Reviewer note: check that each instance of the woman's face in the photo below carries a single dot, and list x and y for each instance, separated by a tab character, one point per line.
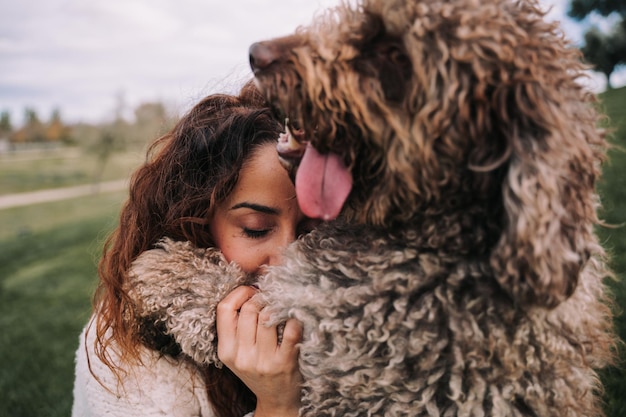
261	216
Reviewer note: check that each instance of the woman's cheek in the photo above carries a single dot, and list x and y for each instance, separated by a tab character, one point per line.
247	257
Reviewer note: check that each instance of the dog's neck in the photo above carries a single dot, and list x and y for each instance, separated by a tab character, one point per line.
465	232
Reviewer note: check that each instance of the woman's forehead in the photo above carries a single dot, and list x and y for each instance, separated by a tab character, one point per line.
263	177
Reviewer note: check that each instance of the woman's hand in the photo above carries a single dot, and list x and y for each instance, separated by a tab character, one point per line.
251	350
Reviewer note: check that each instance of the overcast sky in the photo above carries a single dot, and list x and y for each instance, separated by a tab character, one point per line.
82	56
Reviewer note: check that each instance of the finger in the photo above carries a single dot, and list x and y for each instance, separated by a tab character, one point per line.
248	324
292	336
267	336
228	317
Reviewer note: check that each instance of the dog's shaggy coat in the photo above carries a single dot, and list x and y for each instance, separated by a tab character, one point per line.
463	276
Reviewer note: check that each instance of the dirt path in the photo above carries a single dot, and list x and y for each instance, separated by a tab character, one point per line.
56	194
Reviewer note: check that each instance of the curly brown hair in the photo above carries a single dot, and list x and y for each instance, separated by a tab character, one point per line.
187	172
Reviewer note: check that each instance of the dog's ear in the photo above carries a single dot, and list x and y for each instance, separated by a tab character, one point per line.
383	56
548	196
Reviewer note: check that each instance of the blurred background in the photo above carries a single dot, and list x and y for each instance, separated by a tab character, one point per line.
86	86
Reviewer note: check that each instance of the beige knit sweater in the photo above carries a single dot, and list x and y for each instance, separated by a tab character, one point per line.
161	387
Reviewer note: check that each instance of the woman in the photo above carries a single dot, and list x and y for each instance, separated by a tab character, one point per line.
214	180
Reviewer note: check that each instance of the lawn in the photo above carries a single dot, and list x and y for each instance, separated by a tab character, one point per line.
613	193
47	277
61	168
48	256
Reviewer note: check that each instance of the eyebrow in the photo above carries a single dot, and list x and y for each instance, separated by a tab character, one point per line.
256	207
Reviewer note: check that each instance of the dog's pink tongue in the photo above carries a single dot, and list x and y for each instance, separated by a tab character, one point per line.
323	183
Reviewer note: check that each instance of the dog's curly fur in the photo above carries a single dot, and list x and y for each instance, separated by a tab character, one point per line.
463	277
177	287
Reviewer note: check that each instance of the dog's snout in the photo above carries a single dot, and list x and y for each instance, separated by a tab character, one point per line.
262	56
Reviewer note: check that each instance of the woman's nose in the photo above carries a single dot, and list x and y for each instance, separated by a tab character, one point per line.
275	257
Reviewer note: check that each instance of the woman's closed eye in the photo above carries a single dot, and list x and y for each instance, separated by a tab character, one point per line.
255	233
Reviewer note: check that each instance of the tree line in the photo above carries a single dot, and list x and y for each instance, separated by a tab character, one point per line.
34	130
150	120
606	51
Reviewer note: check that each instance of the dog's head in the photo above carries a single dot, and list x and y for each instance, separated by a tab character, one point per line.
423	109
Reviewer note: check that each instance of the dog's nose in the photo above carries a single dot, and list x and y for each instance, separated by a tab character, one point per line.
262	56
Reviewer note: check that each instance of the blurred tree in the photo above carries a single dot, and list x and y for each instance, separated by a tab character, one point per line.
605	51
111	138
151	121
150	113
33	129
104	149
56	130
6	128
579	9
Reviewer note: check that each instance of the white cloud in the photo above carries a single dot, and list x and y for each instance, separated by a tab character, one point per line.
78	55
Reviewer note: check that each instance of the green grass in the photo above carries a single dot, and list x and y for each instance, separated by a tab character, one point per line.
613	193
22	173
19	222
614	106
47	278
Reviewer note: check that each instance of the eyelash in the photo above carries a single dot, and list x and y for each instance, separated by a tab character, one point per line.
255	233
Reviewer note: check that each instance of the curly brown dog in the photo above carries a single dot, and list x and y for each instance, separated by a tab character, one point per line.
469	281
462	276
